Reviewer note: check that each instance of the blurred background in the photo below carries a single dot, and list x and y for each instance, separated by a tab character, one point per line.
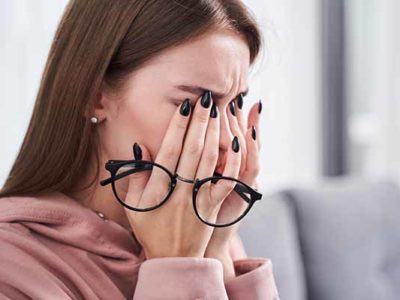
329	80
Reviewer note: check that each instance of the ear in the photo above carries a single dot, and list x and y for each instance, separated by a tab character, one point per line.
101	105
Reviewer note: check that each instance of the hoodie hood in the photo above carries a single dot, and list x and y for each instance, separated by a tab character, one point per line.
63	219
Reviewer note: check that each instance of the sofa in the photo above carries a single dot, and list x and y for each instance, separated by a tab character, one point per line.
340	240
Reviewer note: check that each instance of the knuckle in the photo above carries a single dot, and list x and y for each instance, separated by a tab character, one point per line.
254	170
195	148
211	157
227	186
201	118
171	152
181	124
236	163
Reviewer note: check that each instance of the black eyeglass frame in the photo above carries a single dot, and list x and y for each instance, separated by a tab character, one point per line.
114	165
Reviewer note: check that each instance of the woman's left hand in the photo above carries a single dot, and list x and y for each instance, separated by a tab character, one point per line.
219	245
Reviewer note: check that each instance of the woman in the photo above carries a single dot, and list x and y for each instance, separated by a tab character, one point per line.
169	78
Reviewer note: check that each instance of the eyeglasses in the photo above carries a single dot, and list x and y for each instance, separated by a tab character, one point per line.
236	209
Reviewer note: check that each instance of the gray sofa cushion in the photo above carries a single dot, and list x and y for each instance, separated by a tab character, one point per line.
269	231
350	240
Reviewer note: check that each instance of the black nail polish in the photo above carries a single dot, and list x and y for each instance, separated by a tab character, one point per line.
240	101
259	107
206	99
137	151
253	132
214	111
185	108
235	144
232	108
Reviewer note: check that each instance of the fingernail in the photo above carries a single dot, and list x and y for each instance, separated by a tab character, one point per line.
185	108
214	111
137	151
253	132
235	144
232	108
240	101
259	107
206	99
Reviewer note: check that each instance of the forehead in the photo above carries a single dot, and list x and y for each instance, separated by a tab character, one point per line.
218	60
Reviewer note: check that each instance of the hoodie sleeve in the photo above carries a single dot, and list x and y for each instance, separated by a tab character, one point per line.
180	278
254	276
202	278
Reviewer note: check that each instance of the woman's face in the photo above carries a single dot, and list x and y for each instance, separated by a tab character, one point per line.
217	61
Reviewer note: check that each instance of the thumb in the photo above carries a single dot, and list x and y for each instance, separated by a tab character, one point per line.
138	180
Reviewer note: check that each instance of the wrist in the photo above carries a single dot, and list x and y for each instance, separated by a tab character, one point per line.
225	258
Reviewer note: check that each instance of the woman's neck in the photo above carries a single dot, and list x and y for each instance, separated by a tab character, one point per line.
99	198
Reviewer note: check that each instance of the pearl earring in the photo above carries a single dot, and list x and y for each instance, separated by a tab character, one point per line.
94	120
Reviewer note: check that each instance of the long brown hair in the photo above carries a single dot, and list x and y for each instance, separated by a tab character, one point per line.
102	41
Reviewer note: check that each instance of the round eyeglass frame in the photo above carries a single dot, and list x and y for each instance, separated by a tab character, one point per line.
114	165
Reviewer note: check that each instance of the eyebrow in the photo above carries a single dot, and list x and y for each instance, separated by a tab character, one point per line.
198	90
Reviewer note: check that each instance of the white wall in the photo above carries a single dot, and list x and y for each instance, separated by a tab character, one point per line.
26	31
374	85
287	82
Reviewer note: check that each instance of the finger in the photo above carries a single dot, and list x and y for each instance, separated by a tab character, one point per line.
171	146
254	119
209	157
233	124
234	204
223	187
253	159
208	204
195	138
239	113
137	181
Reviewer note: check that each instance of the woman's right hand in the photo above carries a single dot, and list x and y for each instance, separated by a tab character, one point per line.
173	229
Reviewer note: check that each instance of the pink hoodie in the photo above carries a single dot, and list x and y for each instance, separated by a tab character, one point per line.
52	247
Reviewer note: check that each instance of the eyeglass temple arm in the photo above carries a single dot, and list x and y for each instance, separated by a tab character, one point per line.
126	173
241	190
